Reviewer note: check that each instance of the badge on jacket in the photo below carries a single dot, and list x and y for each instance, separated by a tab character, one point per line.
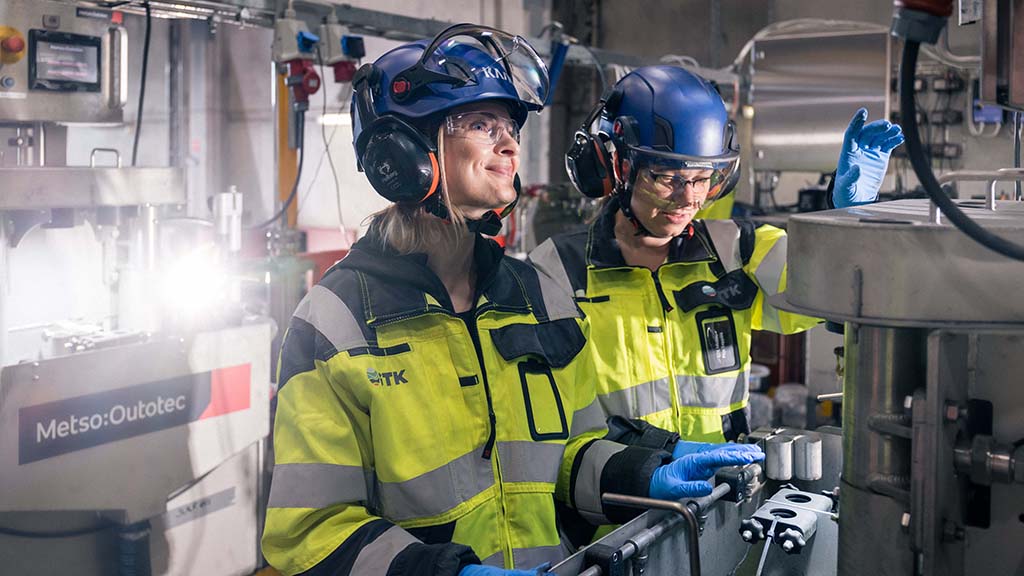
717	331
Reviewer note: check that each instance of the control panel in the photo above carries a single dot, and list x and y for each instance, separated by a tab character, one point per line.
61	63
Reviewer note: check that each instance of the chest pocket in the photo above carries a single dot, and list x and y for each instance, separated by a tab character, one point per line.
536	349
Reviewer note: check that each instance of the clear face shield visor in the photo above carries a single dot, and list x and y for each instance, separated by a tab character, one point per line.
467	53
663	178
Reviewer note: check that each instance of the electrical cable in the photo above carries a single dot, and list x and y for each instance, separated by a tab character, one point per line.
598	65
142	87
283	212
316	171
922	167
327	149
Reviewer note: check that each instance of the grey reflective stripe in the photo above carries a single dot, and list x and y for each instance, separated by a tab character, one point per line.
527	558
588	479
530	461
588	419
497	559
712	391
436	491
554	282
375	558
316	485
640	400
769	271
725	235
329	315
770	318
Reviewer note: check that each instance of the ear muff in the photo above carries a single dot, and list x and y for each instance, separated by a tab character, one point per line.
588	163
399	161
589	166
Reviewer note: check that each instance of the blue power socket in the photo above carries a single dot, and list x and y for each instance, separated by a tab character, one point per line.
986	114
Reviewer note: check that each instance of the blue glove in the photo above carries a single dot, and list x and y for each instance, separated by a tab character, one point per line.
684	448
864	159
688	476
481	570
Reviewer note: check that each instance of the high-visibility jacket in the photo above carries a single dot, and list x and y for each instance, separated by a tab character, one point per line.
413	440
672	346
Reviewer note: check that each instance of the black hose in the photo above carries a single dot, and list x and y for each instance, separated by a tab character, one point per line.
283	212
142	87
923	169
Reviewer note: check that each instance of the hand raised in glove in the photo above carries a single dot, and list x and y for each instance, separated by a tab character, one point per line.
864	159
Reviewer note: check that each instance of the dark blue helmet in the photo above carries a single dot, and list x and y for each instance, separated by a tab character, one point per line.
464	64
668	116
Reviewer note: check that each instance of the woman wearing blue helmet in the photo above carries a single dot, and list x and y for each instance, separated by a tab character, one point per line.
432	403
671	299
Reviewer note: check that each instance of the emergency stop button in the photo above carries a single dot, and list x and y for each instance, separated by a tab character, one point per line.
12	45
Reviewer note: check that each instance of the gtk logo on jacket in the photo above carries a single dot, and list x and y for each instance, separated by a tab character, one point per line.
386	378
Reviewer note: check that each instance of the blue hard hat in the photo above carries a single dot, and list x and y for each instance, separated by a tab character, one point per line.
667	116
462	65
666	112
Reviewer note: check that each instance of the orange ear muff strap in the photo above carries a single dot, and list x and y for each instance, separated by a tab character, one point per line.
435	169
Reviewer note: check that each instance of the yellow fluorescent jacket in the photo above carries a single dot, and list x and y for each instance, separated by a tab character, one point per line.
405	433
672	347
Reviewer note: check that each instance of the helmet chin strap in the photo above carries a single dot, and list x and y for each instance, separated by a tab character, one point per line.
488	225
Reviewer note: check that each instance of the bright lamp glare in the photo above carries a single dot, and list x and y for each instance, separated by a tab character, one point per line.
195	285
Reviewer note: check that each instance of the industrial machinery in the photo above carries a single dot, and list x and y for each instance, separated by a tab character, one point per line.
135	385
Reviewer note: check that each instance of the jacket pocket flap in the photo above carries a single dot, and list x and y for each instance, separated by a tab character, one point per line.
557	342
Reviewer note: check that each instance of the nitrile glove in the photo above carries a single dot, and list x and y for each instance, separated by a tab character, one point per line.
684	448
688	476
481	570
864	159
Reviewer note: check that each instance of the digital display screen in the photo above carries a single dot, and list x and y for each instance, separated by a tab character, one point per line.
64	62
67	62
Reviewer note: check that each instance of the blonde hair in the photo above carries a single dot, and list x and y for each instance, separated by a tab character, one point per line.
410	229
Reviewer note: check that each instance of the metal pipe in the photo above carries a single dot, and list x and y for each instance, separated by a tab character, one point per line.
1005	174
689	511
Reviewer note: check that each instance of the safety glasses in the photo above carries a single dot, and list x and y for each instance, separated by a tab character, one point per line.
482	127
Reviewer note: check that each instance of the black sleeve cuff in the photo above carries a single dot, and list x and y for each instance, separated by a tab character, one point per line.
831	187
432	560
629	472
636	432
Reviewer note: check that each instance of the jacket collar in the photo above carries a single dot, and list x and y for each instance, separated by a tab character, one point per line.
603	249
399	286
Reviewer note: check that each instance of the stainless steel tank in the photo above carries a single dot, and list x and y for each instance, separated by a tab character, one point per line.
933	403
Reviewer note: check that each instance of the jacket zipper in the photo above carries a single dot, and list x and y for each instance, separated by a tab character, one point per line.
661	293
488	450
667	343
